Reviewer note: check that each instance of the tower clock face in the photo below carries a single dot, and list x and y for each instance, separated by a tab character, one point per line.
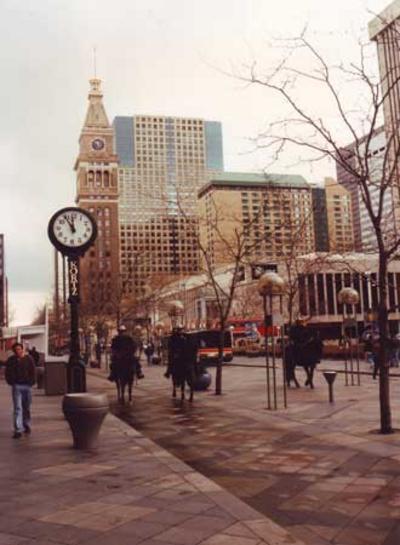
97	144
72	230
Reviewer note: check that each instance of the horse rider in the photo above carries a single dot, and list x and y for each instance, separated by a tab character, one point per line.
123	348
180	361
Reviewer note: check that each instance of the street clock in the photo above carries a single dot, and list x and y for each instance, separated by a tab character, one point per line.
72	231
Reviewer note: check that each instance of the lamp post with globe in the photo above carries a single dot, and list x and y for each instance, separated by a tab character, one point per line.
271	285
175	312
349	297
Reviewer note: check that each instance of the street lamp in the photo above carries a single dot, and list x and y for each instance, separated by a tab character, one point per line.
350	297
270	285
175	310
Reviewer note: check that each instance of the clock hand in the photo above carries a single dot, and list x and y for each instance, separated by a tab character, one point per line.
71	225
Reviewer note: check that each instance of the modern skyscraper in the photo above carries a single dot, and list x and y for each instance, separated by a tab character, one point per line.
384	29
97	191
163	163
274	213
364	235
320	219
340	218
3	286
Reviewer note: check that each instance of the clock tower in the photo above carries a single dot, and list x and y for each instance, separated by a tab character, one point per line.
97	191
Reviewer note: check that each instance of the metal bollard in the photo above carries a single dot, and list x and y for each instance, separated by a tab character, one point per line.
330	377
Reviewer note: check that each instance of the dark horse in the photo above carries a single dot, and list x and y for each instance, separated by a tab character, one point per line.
124	364
124	371
304	350
309	355
290	365
181	361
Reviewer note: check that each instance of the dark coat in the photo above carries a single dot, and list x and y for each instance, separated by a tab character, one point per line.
124	363
20	370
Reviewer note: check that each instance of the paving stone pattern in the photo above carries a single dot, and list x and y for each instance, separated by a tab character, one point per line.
129	491
319	470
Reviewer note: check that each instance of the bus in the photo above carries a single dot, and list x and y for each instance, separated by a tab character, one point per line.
251	328
207	341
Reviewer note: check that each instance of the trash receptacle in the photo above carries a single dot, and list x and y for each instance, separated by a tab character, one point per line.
55	377
40	377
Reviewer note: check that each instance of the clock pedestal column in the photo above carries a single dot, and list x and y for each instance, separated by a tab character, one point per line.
76	372
73	231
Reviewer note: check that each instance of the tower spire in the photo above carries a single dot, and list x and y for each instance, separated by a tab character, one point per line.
94	62
96	115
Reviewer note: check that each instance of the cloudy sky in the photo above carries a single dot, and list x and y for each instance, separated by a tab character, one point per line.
166	57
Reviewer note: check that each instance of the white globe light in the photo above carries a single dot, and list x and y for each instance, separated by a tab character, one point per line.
270	283
348	296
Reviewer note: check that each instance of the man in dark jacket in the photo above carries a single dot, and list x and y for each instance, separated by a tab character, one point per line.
20	375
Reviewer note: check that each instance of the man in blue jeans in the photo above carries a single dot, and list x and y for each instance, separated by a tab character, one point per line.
20	375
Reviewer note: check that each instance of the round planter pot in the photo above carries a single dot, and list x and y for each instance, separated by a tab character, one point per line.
202	382
85	414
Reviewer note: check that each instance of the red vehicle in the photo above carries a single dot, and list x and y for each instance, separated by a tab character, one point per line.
251	328
208	341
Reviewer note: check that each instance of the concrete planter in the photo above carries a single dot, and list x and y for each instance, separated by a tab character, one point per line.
85	414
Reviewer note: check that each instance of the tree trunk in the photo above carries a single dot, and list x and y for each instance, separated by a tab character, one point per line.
218	375
383	360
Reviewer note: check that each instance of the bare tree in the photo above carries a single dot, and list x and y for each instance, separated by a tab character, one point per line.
225	246
355	116
39	316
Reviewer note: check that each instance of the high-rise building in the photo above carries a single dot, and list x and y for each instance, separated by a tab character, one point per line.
3	286
364	234
320	219
340	218
384	29
273	212
163	163
97	191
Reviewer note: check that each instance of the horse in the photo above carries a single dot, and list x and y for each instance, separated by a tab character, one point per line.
181	377
308	356
123	372
290	365
181	360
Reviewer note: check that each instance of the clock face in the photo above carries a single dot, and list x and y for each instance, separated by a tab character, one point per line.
72	230
97	144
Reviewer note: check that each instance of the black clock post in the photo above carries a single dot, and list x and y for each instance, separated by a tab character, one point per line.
72	231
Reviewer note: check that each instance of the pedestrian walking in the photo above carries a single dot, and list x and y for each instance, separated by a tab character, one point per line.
20	375
149	351
35	355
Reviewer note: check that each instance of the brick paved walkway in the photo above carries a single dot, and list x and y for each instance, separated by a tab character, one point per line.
129	491
319	470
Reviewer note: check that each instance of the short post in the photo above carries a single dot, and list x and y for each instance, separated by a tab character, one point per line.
330	377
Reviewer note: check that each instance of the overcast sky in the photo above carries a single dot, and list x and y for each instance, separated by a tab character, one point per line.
164	57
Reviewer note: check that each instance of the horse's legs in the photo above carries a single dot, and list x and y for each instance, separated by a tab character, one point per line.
183	391
294	377
191	392
118	385
311	375
173	388
309	369
130	384
123	384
